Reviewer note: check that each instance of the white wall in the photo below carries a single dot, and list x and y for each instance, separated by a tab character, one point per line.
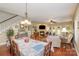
76	27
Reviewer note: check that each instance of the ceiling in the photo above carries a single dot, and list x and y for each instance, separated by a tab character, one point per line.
15	8
8	20
59	12
41	12
4	16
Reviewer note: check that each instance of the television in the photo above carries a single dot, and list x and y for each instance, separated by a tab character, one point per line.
41	26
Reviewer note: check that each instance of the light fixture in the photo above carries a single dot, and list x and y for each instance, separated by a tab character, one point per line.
64	30
22	22
27	21
51	21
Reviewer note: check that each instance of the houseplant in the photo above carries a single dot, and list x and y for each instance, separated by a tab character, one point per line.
10	34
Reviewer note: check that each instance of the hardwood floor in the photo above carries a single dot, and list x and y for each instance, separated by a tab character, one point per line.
4	51
63	52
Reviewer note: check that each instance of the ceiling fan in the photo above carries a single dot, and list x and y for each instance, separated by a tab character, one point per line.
52	21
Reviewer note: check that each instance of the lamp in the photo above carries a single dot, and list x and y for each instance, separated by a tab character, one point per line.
64	30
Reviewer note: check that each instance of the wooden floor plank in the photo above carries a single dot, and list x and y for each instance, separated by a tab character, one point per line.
4	51
63	52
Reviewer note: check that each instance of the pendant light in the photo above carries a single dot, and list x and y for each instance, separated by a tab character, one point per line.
27	20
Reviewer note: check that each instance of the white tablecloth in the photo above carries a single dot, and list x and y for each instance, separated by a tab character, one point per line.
32	48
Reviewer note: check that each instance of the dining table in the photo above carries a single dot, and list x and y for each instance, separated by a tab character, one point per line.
31	48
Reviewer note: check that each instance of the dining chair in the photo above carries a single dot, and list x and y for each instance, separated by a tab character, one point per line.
67	42
14	49
47	50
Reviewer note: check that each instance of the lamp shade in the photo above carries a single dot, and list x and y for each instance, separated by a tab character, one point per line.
64	30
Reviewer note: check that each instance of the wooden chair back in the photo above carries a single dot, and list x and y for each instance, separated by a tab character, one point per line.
47	50
69	38
14	49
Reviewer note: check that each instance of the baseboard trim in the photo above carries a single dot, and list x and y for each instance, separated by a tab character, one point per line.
76	49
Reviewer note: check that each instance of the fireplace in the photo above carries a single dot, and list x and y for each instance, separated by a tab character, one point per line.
42	33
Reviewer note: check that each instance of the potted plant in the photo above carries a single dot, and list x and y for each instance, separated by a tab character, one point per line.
10	34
